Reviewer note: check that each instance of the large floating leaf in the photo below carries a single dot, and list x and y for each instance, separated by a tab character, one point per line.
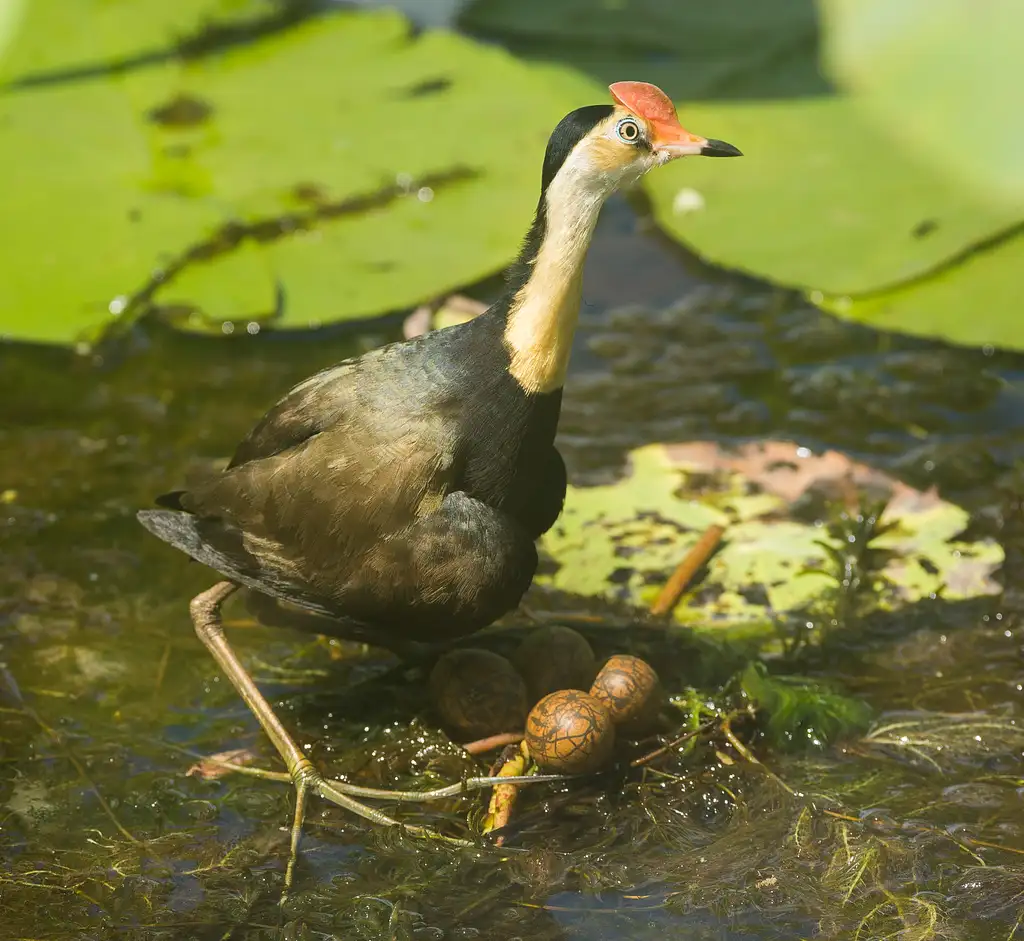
820	200
11	12
942	75
295	140
624	539
976	300
60	40
722	28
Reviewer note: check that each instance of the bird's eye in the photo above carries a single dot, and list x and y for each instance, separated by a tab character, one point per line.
628	130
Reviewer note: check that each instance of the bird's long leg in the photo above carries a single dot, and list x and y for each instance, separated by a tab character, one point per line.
206	616
205	610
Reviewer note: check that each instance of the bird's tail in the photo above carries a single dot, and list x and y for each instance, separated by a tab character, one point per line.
197	538
185	532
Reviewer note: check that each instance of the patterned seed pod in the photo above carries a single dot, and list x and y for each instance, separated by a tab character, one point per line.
570	732
477	693
629	689
553	658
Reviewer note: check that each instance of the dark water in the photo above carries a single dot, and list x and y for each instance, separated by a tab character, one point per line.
106	692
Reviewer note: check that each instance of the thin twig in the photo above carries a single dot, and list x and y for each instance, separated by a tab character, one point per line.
680	579
482	745
668	746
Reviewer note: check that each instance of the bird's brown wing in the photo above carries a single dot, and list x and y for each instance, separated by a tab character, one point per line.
309	408
345	460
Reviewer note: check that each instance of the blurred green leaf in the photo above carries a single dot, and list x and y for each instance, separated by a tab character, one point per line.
119	176
721	28
59	39
944	76
11	12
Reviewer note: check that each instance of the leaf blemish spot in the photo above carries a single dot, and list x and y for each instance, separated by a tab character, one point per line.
181	111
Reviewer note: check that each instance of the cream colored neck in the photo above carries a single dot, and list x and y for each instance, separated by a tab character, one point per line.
542	316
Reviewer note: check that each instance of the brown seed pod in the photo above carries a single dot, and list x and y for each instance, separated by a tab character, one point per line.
477	693
570	732
555	657
629	689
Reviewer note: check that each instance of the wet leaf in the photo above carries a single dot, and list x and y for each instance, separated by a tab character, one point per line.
623	539
337	160
934	72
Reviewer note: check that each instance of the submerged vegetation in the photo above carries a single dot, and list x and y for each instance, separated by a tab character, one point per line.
864	778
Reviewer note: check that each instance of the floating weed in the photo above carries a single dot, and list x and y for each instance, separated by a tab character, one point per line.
801	712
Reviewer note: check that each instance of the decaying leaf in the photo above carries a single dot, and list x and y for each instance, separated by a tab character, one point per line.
624	539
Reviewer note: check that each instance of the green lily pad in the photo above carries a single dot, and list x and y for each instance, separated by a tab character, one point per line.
821	200
313	141
941	76
973	301
54	37
10	20
622	540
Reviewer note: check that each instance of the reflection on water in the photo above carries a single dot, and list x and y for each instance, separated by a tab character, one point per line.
102	834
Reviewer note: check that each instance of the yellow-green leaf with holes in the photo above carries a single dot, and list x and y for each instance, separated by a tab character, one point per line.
624	539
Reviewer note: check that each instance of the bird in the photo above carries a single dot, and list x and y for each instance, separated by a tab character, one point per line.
397	497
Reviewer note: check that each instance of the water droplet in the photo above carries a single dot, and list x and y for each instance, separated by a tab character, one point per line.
425	194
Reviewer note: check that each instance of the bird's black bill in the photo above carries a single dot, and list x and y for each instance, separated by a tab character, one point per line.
719	148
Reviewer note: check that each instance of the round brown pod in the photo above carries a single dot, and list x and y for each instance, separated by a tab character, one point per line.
570	732
477	693
629	689
553	658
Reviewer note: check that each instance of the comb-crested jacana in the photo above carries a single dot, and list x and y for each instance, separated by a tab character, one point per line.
397	496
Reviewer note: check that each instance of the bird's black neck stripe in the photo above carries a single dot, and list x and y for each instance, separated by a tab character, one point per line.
569	132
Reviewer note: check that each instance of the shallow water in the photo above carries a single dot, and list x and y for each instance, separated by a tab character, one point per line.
107	694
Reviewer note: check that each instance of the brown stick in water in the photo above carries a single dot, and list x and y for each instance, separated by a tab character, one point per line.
680	579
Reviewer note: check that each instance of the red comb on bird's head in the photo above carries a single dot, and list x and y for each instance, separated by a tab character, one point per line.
646	101
668	137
